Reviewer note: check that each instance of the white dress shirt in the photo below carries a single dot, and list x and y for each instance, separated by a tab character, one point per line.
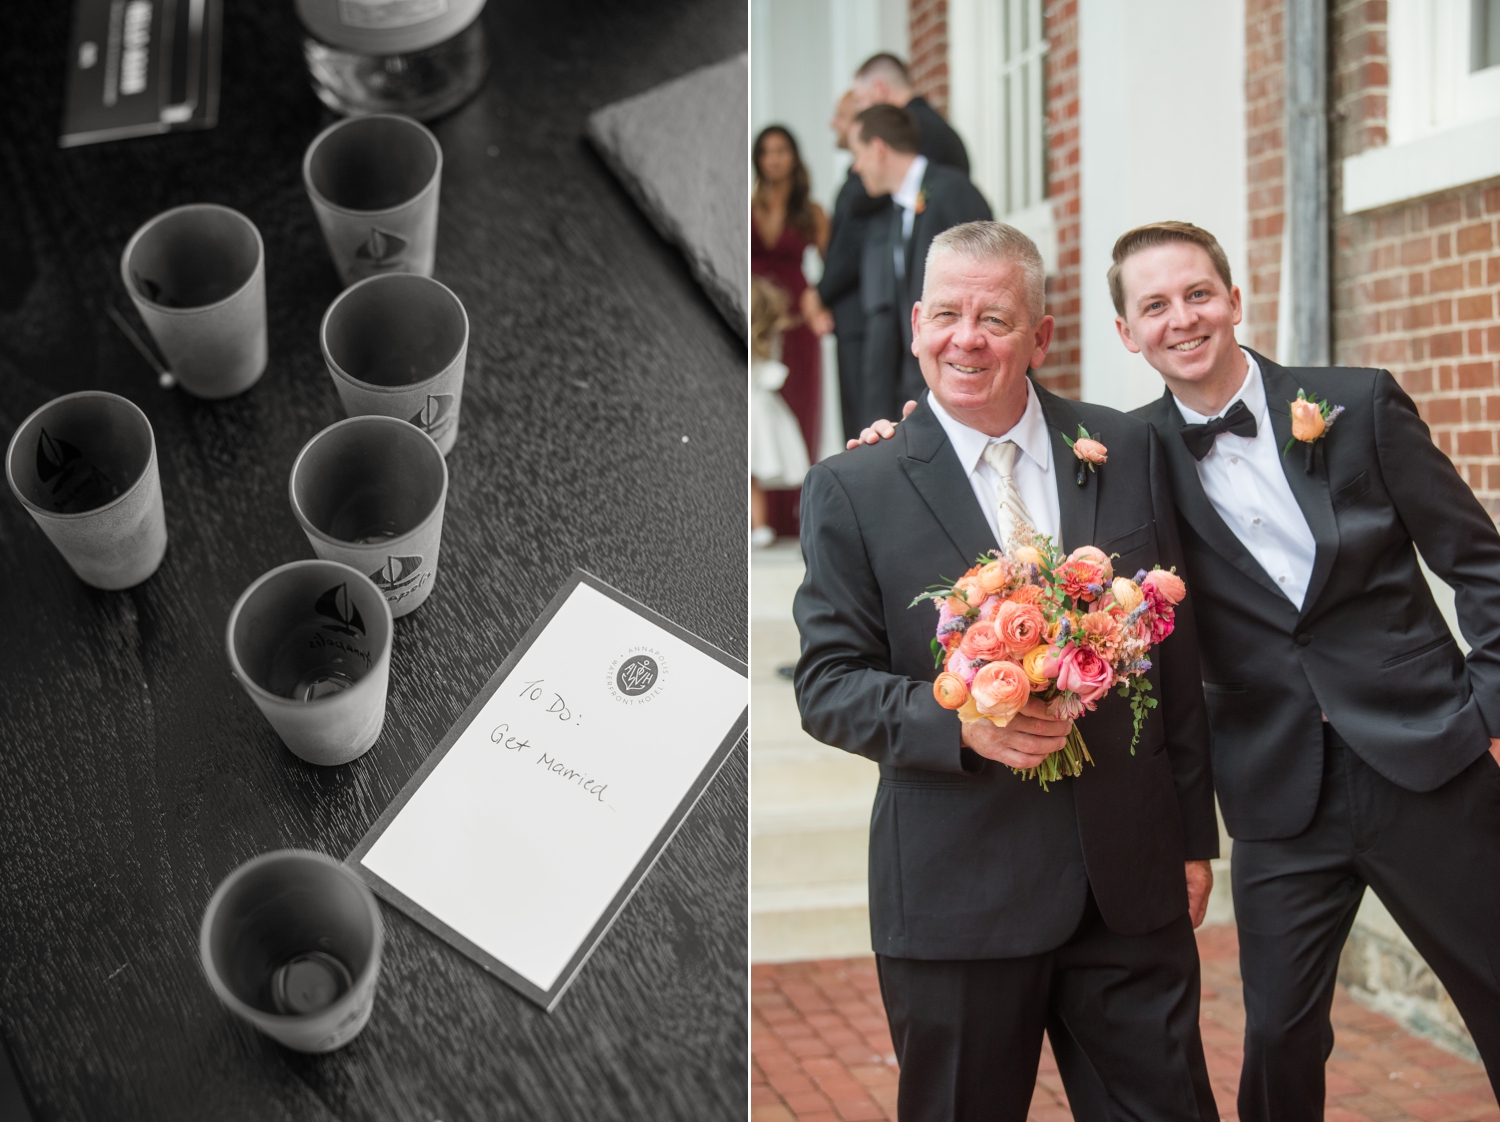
1244	481
1032	473
905	196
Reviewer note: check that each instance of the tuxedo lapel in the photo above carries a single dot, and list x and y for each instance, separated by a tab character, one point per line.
1077	503
1192	500
933	468
1309	488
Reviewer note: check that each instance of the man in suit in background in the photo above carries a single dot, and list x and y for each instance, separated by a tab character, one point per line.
998	908
1353	744
884	80
838	289
881	80
927	198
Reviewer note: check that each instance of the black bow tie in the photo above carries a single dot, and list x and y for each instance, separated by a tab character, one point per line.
1200	438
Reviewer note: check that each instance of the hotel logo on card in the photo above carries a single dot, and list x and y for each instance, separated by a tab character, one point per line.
637	676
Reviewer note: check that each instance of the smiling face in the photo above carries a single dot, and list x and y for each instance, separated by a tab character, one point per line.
1180	315
973	335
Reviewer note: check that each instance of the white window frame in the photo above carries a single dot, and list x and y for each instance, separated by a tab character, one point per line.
997	60
1443	120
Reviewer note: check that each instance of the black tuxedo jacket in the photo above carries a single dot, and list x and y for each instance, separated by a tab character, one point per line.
1369	647
935	137
891	372
838	288
968	861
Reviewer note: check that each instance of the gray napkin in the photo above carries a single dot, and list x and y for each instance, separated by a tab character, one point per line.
682	151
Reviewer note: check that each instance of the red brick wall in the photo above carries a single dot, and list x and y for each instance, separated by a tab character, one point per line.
928	27
1415	284
927	32
1062	373
1264	109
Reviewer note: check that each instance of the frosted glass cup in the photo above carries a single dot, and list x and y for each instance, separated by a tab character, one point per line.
291	943
197	275
84	466
370	492
310	642
396	346
374	181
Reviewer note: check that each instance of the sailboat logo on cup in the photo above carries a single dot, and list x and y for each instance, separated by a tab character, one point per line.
436	416
53	457
382	249
397	574
336	604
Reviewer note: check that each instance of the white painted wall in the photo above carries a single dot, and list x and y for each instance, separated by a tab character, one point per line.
803	56
1162	127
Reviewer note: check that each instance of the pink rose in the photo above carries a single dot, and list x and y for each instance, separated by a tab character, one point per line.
961	667
1161	625
1307	420
1020	627
1083	672
1168	584
982	641
1000	691
988	609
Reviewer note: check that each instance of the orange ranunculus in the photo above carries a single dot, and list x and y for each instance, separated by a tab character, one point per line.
1027	555
1090	451
950	691
1032	665
1168	585
1000	691
1307	420
994	576
1020	627
982	641
1127	594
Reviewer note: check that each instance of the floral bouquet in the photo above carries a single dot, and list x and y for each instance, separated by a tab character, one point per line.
1065	628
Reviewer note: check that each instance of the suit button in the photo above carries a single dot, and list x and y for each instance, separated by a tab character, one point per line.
1304	639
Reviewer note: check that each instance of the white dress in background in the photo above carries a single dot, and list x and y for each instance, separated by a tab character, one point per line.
778	454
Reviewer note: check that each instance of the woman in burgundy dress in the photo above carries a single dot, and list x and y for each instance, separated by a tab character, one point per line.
784	221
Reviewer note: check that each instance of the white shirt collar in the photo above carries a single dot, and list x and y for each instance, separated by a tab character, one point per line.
905	196
1029	433
1252	392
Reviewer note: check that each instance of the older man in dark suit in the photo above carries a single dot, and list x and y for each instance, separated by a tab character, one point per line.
927	198
998	908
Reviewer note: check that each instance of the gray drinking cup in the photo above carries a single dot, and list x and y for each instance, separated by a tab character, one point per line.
197	275
373	181
291	943
396	346
84	466
310	642
369	491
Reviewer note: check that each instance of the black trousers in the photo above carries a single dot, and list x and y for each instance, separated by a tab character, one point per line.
1434	861
1122	1012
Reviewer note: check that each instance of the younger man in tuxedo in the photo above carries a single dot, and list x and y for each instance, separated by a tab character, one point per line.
998	908
1353	744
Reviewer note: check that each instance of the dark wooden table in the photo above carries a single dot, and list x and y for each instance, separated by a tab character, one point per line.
603	425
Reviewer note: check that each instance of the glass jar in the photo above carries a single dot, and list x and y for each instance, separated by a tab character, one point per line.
422	58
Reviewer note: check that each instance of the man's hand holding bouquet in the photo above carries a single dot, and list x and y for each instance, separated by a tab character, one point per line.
1062	627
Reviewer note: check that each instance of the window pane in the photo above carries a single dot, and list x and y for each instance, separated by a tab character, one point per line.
1484	34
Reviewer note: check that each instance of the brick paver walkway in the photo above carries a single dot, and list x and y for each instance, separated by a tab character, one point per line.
821	1052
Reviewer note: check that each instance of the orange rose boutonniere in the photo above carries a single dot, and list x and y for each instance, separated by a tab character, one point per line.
1088	450
921	203
1311	420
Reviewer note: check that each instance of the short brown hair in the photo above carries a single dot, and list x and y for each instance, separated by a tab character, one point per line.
897	127
884	66
1163	233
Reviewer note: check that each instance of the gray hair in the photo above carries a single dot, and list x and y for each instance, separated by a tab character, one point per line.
996	242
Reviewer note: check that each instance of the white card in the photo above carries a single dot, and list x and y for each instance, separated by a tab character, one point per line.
528	827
